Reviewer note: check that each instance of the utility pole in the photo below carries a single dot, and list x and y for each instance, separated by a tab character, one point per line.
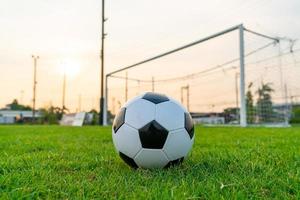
139	86
126	86
188	97
64	92
292	100
119	105
181	94
35	58
21	96
187	88
292	103
101	122
79	103
286	117
212	108
113	105
152	84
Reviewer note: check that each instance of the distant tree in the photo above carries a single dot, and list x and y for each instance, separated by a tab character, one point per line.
110	117
16	106
250	104
295	118
51	115
64	110
264	102
231	115
95	120
95	117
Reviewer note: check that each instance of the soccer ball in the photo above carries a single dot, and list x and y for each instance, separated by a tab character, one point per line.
153	131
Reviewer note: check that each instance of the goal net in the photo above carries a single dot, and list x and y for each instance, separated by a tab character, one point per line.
206	77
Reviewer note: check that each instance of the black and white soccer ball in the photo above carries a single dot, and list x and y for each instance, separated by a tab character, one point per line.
153	131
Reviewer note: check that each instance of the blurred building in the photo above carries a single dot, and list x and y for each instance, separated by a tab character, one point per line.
14	116
208	118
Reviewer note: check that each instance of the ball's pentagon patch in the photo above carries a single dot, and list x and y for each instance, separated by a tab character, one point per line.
174	162
153	135
119	119
155	97
189	124
128	160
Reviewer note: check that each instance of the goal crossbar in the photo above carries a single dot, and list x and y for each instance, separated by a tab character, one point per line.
177	49
240	27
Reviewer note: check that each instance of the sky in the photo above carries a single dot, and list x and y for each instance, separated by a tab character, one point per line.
68	33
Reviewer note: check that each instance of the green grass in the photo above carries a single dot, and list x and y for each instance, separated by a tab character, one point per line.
52	162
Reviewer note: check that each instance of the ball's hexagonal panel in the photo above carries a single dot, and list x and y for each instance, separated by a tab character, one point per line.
151	158
169	115
139	113
174	162
133	99
119	119
155	97
178	103
127	140
128	160
153	135
178	144
189	124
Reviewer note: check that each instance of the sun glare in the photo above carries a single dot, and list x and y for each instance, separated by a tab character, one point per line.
70	68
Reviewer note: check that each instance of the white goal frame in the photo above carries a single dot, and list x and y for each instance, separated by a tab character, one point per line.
242	92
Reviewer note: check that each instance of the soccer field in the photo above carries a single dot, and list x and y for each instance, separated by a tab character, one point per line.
52	162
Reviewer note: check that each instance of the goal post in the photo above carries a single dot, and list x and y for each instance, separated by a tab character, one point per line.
243	111
240	99
105	102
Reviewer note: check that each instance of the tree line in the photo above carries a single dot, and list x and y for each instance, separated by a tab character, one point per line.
49	115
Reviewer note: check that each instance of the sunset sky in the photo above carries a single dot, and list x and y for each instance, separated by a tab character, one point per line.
67	32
